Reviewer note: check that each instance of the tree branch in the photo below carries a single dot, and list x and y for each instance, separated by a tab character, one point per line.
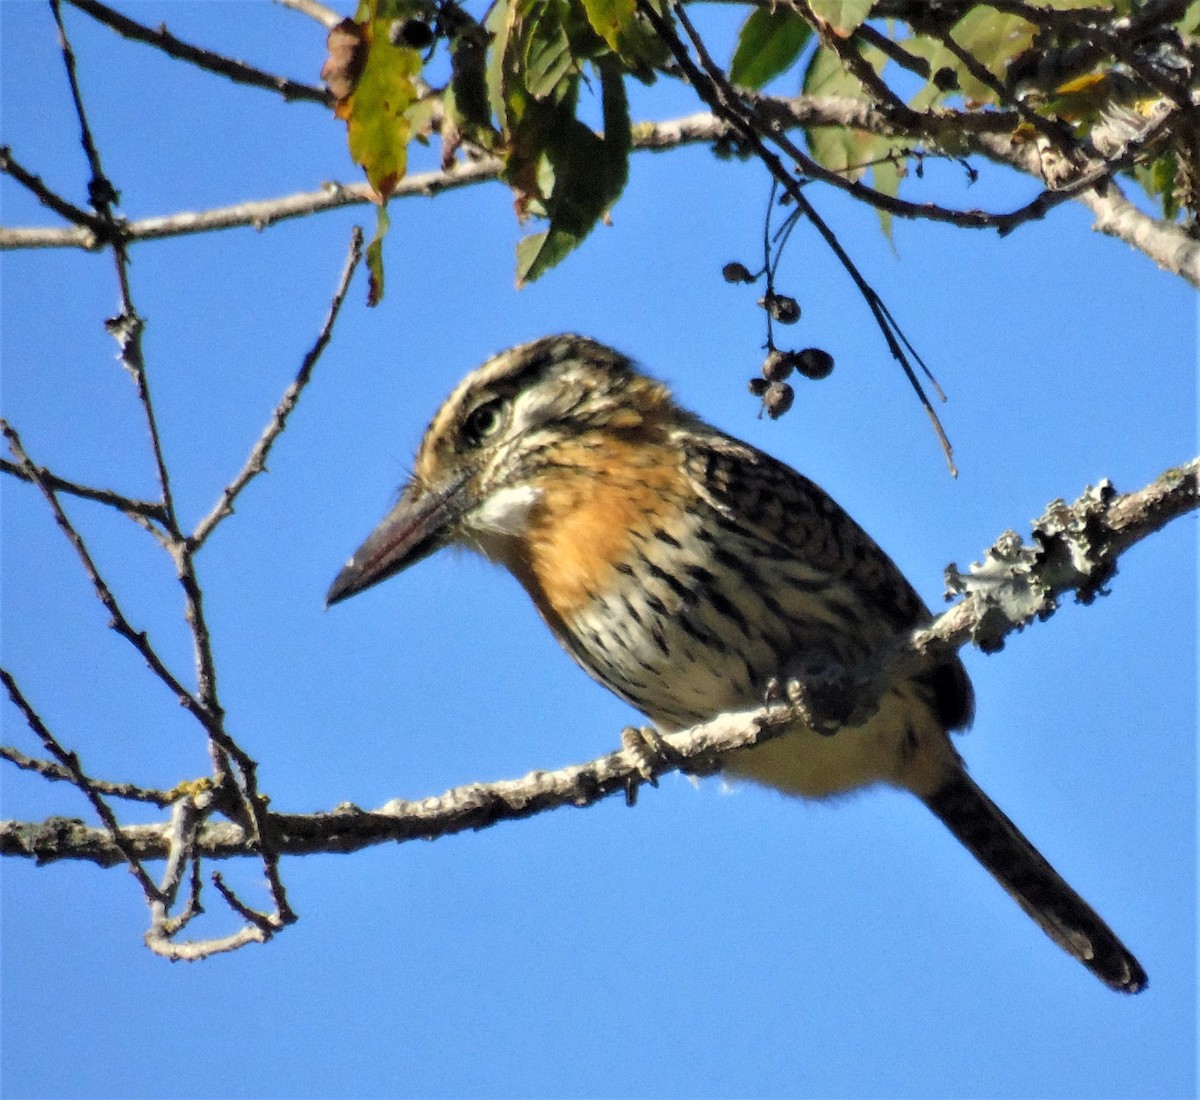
1074	549
1164	242
70	764
237	71
984	133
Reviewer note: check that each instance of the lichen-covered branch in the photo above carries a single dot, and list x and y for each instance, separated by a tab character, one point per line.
1073	549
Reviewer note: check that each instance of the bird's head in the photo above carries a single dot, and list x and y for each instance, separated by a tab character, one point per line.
528	416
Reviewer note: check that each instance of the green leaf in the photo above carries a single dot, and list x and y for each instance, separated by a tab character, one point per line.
1189	24
549	66
581	175
843	16
768	43
839	148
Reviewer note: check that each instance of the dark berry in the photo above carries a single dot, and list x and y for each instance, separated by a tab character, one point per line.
814	363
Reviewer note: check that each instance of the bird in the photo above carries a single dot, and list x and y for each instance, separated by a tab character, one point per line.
693	574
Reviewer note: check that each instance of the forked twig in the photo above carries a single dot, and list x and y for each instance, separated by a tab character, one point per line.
118	621
48	198
70	762
141	511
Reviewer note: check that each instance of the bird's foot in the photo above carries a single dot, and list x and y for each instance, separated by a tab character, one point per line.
649	754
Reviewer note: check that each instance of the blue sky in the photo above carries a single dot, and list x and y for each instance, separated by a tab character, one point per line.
711	942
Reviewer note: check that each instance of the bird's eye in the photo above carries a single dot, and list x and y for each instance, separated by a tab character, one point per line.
484	421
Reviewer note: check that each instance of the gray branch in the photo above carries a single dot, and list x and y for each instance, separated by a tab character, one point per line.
1073	549
982	133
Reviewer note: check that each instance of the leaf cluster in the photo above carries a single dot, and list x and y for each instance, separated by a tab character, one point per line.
1090	83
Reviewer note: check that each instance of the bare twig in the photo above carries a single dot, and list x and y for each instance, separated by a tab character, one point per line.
130	506
1074	549
711	84
260	214
118	622
158	940
237	71
264	922
54	772
70	762
50	199
847	52
894	50
101	193
256	463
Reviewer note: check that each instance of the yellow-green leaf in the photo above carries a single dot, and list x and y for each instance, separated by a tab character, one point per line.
843	16
611	19
839	148
376	114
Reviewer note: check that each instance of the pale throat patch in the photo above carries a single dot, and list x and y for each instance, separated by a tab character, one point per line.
505	512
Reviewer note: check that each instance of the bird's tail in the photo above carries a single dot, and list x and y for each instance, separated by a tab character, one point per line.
1036	886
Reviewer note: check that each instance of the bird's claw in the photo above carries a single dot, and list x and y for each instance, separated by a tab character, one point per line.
649	754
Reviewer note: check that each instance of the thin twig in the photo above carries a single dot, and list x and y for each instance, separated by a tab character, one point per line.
847	52
118	622
256	463
894	50
194	950
267	924
710	83
186	818
50	199
70	762
237	71
327	17
132	507
54	772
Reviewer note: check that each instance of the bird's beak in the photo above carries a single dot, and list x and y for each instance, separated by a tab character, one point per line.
419	524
